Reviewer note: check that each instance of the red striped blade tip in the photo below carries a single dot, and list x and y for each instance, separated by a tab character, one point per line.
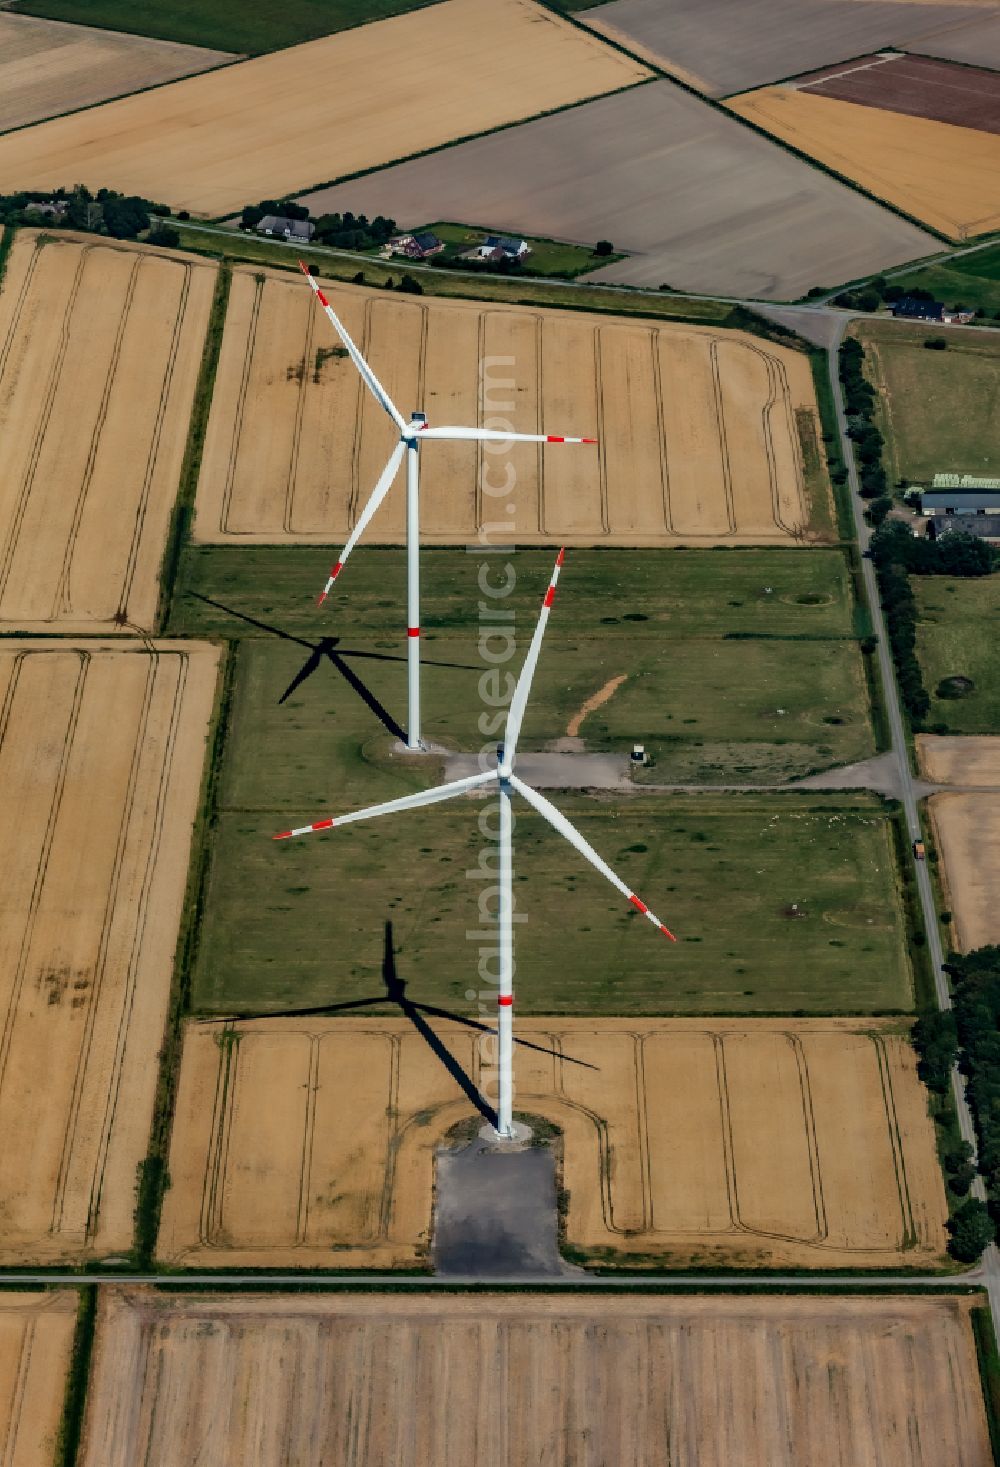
667	932
321	598
282	835
561	556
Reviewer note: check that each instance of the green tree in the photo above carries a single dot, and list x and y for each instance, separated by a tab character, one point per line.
972	1230
604	247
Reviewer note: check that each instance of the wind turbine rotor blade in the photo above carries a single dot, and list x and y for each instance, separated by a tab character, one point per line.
558	819
491	435
519	701
368	376
378	494
390	807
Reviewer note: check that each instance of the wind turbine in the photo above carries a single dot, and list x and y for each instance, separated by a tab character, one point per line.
506	783
411	435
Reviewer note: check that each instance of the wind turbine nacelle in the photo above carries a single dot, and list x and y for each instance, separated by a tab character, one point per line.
420	418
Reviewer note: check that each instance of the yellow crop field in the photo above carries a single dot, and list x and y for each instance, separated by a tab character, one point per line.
966	825
101	753
701	431
280	124
100	346
805	1143
36	1336
946	176
383	1380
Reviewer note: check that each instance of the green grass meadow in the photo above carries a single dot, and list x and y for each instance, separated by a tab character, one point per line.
940	409
548	256
302	923
251	26
971	280
957	636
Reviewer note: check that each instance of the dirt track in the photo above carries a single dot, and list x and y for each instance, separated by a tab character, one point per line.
47	67
36	1332
533	1381
100	346
699	442
101	754
309	1143
946	176
290	120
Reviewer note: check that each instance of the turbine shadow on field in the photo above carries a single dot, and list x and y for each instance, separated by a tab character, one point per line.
329	649
395	992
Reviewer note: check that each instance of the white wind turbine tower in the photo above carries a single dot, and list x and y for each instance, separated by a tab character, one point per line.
506	782
411	435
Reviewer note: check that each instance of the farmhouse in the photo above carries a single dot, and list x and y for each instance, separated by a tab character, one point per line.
416	246
514	249
301	230
907	308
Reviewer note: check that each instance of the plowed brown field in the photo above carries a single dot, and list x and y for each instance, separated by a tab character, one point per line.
285	122
100	346
698	429
101	753
806	1143
946	176
36	1333
512	1380
47	67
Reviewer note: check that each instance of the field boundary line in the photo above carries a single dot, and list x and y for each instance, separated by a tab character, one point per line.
909	1236
226	1040
308	1138
720	419
642	1128
61	597
154	447
215	1194
394	1138
726	1128
17	1395
98	983
812	1143
9	549
654	344
300	407
538	322
139	928
227	488
602	447
59	784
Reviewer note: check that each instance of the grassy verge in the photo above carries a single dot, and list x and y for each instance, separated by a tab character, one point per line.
154	1177
180	520
916	936
820	364
238	248
7	233
989	1371
71	1425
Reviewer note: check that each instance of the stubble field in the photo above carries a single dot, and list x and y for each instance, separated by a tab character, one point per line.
946	176
722	46
101	753
702	434
47	67
36	1335
966	826
263	128
698	201
388	1381
100	347
310	1142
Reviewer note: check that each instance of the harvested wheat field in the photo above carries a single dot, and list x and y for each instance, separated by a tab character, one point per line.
967	831
48	67
101	753
702	433
960	760
946	176
36	1336
512	1380
763	1143
100	347
336	106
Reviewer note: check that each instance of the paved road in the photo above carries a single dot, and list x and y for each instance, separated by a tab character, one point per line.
908	794
808	1283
